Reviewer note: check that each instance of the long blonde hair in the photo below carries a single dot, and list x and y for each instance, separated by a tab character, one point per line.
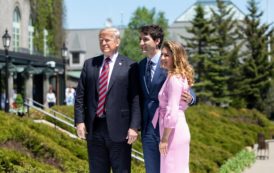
181	65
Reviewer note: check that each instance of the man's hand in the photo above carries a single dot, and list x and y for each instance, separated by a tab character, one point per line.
132	135
186	97
81	130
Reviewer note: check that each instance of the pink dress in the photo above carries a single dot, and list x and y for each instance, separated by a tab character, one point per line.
170	114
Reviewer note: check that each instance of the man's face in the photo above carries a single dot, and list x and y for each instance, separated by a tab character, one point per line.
148	45
109	43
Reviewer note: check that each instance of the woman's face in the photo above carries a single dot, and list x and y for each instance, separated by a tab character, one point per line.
166	59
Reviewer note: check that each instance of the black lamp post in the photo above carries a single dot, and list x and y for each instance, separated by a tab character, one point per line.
6	42
64	52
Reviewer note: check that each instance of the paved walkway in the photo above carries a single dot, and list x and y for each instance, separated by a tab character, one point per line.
263	165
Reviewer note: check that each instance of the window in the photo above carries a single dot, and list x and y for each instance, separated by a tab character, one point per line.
31	31
46	49
75	58
16	29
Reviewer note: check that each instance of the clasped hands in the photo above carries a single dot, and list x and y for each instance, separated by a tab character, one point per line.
132	134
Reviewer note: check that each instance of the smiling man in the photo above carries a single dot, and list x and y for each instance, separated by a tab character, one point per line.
107	112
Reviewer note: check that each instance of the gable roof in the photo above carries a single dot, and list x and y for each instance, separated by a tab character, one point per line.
189	13
83	40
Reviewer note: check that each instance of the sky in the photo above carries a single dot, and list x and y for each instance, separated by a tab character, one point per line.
87	14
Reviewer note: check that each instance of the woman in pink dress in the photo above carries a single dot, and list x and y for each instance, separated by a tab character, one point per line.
174	131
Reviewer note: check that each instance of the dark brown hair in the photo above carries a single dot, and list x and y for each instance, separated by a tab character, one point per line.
155	31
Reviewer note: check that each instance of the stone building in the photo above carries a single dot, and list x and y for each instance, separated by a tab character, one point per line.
29	73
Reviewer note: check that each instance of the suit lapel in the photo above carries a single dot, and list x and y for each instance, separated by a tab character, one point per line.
98	63
158	75
143	74
115	71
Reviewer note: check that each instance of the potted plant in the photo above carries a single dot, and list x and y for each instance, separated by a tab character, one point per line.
19	101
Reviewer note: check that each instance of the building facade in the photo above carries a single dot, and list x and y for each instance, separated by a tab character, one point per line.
30	74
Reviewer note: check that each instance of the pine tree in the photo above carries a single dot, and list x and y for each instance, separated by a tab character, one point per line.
257	68
200	32
224	53
130	41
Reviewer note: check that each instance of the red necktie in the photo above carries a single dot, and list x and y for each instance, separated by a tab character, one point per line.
103	83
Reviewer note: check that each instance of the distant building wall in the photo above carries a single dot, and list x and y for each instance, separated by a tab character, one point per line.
7	8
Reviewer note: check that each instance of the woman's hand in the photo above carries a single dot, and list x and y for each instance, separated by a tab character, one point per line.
163	147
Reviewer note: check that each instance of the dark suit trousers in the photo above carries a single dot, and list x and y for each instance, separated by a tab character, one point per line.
150	141
104	153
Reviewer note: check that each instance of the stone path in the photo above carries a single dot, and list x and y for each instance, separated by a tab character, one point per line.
263	165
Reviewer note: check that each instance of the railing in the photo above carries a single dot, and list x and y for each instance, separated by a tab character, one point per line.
51	110
137	155
68	121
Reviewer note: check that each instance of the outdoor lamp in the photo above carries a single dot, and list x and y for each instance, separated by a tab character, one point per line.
6	42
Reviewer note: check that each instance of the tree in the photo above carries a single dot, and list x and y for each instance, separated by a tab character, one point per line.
49	15
199	51
256	68
224	53
130	39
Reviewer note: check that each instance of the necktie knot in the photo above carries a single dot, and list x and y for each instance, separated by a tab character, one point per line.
150	64
107	60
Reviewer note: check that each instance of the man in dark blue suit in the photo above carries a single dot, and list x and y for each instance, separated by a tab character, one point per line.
152	77
107	108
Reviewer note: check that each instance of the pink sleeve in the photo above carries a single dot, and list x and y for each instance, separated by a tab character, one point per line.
174	88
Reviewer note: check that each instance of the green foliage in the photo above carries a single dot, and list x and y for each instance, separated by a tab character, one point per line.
60	124
49	15
199	53
130	41
214	54
224	49
19	100
36	145
217	134
232	60
256	73
66	110
269	102
19	104
12	161
239	162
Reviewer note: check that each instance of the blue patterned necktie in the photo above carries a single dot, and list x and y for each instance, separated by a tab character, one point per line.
148	74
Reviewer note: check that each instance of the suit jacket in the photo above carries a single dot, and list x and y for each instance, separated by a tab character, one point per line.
122	100
149	99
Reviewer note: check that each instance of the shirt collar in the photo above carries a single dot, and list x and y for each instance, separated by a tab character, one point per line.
155	58
113	57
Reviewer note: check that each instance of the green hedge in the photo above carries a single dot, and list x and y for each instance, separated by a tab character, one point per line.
217	135
237	164
43	144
